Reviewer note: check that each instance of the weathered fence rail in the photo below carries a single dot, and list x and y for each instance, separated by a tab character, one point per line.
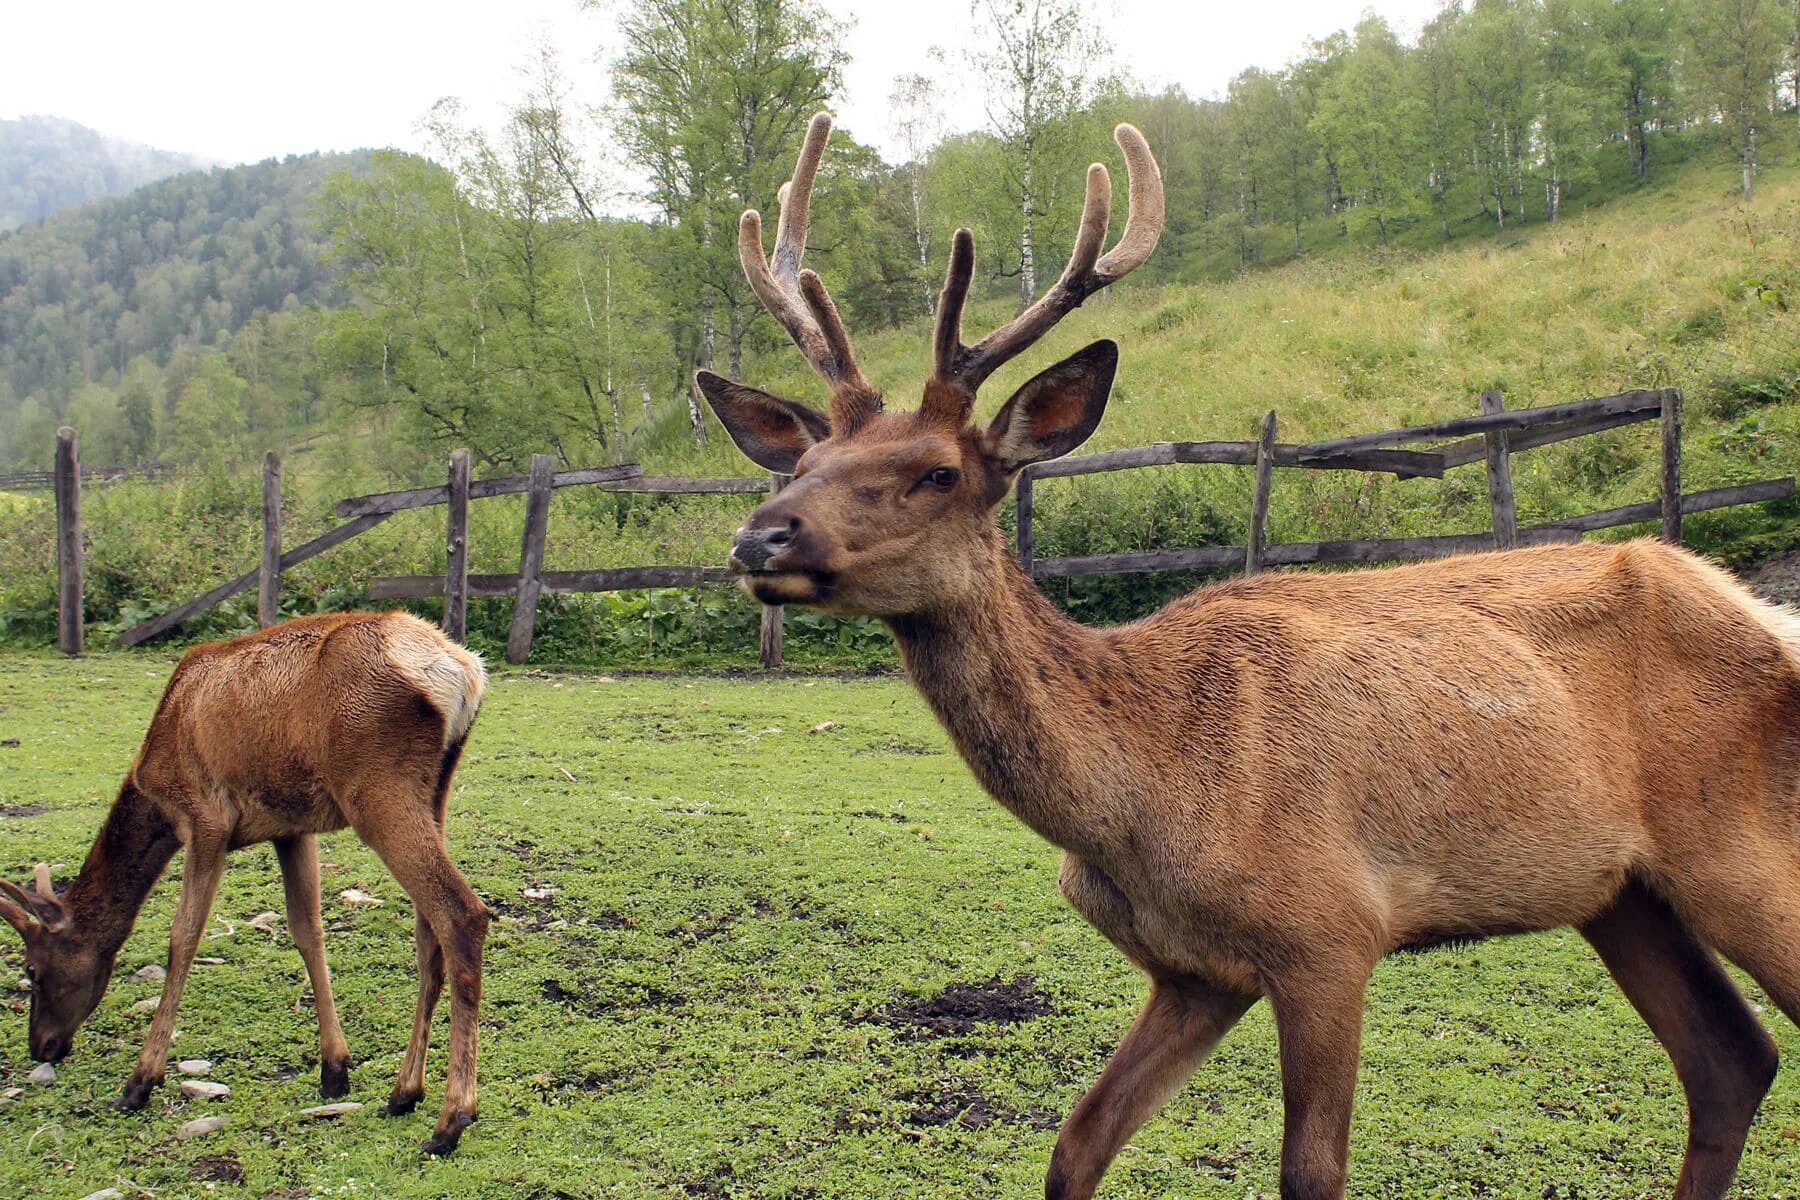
18	481
1491	438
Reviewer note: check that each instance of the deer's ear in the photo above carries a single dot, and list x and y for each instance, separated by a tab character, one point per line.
28	911
14	914
1056	410
773	433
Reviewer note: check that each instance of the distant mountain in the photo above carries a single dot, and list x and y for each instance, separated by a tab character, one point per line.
183	261
48	164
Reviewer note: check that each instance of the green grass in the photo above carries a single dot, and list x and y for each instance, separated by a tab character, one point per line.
737	897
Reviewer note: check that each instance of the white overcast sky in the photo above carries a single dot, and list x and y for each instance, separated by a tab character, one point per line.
242	80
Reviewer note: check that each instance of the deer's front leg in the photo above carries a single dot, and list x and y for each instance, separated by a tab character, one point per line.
299	859
1180	1024
1318	1025
201	870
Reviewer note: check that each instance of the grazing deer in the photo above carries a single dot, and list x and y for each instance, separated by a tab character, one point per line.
1269	785
354	719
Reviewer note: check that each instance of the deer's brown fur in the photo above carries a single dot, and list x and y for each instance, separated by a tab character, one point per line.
1269	785
354	719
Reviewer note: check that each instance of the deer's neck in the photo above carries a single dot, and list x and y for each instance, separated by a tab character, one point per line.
126	860
1024	693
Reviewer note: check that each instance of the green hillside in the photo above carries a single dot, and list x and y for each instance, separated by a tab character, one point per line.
48	164
182	264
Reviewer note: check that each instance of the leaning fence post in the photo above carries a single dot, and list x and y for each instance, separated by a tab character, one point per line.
1022	518
456	549
1671	465
770	633
1499	477
1258	541
531	559
268	582
68	543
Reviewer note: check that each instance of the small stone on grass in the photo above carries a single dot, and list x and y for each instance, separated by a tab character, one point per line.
357	896
194	1066
42	1073
200	1127
325	1112
204	1089
152	973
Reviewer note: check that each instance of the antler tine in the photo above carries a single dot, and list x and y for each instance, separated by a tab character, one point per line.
1086	273
1144	217
44	887
947	342
797	298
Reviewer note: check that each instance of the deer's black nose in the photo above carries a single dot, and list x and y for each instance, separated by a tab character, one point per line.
51	1050
756	544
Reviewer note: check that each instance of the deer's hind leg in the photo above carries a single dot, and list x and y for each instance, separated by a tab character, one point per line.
399	818
299	859
1723	1057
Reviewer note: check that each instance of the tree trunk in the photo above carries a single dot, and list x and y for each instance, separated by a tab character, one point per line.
1027	266
735	346
919	240
1749	161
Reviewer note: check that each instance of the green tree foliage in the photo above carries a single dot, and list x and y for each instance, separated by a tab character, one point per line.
1736	48
713	97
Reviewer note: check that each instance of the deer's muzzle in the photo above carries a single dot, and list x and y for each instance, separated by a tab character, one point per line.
756	547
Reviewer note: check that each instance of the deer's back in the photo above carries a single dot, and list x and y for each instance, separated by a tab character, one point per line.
292	718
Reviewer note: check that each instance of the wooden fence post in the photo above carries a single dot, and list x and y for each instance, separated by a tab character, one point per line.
268	581
69	632
1258	540
1499	477
531	559
1022	518
770	633
456	549
1671	465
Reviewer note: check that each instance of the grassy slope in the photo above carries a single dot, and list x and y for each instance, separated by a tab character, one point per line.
739	894
1650	290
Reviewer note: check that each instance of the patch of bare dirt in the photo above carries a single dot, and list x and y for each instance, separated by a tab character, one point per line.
216	1168
962	1008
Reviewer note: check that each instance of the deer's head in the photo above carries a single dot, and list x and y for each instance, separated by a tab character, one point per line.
68	973
891	513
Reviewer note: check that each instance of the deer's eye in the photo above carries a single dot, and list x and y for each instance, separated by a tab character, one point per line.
943	478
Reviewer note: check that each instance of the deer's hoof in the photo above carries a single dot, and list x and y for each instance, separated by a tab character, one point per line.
136	1094
444	1140
401	1103
334	1079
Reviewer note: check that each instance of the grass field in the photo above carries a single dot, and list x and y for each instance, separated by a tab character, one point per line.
764	974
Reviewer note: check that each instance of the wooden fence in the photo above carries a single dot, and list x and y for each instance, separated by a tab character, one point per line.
1499	434
1492	437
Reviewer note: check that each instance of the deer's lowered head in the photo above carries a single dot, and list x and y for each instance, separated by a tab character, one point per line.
890	513
67	970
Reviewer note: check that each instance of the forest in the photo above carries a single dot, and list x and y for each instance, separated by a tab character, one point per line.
518	291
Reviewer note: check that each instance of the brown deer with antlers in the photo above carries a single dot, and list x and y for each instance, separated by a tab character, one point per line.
354	719
1269	785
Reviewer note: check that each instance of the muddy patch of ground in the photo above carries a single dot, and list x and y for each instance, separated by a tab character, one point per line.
965	1106
962	1008
216	1168
22	810
593	1001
